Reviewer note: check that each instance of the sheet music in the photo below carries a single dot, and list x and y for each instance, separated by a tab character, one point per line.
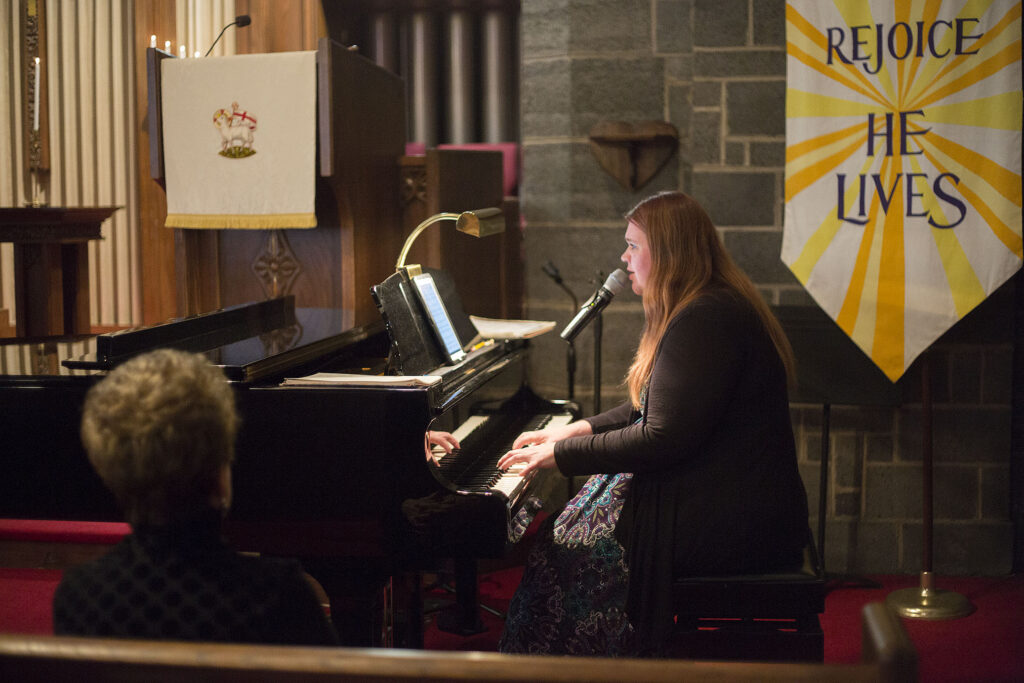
345	379
493	328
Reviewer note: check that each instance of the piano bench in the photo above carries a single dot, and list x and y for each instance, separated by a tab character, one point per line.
760	617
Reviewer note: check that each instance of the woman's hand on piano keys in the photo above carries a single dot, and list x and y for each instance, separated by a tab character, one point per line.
553	434
525	460
536	450
446	441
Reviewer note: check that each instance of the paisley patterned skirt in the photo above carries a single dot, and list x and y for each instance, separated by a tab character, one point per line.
573	592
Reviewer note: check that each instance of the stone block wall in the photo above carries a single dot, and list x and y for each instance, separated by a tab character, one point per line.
716	70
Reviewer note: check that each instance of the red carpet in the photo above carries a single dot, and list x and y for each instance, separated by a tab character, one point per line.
986	646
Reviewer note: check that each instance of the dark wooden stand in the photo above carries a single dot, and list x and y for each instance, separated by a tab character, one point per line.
51	266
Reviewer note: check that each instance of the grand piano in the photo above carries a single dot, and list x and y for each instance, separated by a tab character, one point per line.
336	476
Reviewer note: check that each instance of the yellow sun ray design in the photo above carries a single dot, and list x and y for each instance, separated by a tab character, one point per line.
816	245
826	70
817	39
851	309
999	35
928	12
887	347
800	180
1004	181
964	285
1005	57
1006	234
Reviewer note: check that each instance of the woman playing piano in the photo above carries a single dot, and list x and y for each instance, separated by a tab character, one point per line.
695	475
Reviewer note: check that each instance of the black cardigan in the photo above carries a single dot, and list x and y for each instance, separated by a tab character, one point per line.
716	489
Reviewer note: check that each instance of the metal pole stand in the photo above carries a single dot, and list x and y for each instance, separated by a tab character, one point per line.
570	369
926	601
598	325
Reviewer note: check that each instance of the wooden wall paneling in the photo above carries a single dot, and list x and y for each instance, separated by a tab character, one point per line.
37	267
367	123
426	250
280	26
75	288
198	272
157	249
461	180
454	181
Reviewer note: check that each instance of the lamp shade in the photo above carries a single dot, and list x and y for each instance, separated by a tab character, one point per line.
479	223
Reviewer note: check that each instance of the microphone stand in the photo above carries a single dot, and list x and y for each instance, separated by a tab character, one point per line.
551	271
241	21
598	330
570	368
598	325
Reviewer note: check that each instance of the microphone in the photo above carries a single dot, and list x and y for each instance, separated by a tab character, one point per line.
593	307
241	21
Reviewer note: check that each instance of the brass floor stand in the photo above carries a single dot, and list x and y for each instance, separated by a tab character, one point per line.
926	601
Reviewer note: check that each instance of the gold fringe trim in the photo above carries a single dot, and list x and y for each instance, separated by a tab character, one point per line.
269	221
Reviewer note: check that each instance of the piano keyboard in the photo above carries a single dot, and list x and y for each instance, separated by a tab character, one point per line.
483	439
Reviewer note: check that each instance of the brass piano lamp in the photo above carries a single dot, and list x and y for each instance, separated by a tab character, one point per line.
479	223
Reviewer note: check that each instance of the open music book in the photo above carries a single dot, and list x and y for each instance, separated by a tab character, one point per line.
492	328
338	379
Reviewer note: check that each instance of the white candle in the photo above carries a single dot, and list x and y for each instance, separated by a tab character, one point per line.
152	41
196	55
167	46
35	109
181	51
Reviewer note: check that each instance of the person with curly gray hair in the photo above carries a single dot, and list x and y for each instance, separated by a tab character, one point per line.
160	431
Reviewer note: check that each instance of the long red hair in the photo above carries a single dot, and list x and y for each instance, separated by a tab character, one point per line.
687	256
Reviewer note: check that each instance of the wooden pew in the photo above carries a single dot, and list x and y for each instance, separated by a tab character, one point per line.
887	656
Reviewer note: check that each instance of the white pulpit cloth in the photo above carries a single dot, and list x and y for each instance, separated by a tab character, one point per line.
240	141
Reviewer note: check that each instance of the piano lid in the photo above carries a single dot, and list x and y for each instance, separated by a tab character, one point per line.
249	342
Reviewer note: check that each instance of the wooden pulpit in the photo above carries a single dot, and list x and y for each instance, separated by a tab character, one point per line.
360	134
364	208
51	266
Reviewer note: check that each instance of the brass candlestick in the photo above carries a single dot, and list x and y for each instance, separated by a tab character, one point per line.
35	170
36	187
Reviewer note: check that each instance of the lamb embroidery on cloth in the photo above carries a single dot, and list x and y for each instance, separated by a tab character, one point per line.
237	130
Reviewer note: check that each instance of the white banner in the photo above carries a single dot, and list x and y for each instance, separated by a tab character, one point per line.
240	141
903	163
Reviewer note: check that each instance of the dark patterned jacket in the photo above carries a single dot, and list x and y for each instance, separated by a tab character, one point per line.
183	583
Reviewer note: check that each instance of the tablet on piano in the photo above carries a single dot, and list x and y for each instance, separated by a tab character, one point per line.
438	317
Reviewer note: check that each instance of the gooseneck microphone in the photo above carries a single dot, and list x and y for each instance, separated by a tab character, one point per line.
590	310
241	20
